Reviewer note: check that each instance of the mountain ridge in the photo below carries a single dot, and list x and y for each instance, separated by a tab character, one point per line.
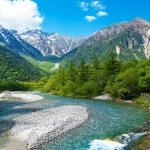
51	43
135	40
42	45
12	40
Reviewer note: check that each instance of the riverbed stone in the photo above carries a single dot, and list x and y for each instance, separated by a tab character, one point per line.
104	97
48	124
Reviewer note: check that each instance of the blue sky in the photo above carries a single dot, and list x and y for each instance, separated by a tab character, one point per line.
66	17
70	17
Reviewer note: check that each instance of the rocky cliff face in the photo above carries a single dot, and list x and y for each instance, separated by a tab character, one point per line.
51	43
12	40
138	25
146	43
129	40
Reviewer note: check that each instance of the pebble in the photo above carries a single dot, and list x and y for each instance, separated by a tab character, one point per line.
48	124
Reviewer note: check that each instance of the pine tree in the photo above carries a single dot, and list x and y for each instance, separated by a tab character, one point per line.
112	64
83	71
71	72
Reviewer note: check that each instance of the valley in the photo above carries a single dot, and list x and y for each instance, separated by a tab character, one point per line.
43	65
63	92
129	40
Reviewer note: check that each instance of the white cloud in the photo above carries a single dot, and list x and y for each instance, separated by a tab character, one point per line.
83	5
102	13
97	5
90	18
20	15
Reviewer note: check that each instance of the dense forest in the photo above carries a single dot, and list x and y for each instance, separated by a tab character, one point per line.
124	80
16	68
23	86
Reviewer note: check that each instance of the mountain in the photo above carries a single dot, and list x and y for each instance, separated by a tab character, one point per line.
129	40
14	67
51	43
12	40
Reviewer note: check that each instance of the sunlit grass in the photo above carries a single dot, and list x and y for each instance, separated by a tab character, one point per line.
45	65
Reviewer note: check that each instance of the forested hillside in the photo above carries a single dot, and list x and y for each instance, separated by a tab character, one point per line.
127	45
125	80
14	67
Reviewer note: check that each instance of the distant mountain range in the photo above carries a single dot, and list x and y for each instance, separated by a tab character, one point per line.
51	43
36	43
12	40
129	40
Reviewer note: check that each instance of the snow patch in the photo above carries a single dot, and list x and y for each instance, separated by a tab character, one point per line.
24	36
148	33
51	38
56	66
117	50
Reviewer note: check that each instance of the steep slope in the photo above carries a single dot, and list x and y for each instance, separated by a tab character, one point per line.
12	40
51	43
130	40
44	65
15	67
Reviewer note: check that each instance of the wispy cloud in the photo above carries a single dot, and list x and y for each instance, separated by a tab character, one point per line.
98	5
94	6
90	18
84	6
20	15
102	13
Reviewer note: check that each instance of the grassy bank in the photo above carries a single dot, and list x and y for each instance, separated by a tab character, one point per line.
143	100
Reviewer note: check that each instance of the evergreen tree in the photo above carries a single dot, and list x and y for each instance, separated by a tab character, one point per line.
112	64
61	75
96	64
71	72
83	71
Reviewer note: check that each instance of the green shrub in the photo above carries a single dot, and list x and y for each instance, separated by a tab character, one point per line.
139	101
147	104
143	100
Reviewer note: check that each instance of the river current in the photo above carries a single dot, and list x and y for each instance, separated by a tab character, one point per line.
107	120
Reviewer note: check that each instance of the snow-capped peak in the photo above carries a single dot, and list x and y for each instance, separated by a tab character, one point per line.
51	43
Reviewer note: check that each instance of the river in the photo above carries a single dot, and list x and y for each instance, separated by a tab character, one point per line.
107	120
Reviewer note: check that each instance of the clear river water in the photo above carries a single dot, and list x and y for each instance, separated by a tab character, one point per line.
107	119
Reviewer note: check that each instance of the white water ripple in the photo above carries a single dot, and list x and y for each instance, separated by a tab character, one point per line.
105	145
119	144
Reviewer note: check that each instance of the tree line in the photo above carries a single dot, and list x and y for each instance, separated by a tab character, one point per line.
124	80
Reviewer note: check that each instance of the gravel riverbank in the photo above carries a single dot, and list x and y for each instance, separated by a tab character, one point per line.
104	97
44	126
23	96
